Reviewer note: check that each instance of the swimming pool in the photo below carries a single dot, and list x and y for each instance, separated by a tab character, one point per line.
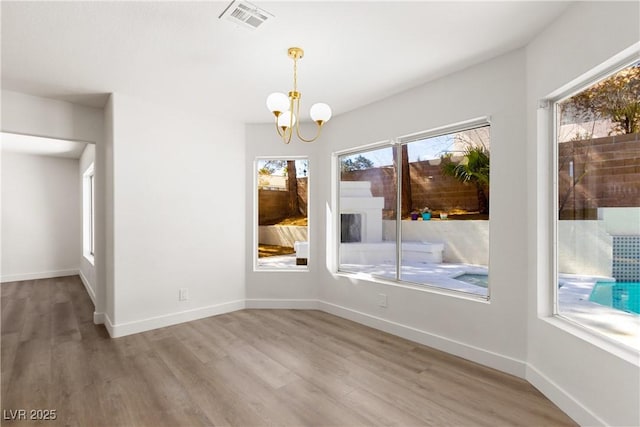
623	296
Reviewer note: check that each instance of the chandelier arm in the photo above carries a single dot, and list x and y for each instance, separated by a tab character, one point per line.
287	139
278	129
300	137
284	132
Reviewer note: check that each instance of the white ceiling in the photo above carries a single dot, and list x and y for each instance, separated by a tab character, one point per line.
37	145
181	53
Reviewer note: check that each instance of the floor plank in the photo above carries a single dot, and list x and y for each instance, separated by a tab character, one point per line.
247	368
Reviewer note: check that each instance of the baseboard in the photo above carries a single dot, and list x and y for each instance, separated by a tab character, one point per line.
137	326
479	355
99	318
574	409
293	304
40	275
106	321
87	286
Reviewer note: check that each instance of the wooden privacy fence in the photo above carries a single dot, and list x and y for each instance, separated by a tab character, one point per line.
429	188
273	204
598	173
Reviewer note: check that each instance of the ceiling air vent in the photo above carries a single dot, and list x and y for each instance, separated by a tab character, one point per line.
245	14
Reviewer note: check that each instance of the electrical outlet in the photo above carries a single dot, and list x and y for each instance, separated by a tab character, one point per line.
183	294
382	300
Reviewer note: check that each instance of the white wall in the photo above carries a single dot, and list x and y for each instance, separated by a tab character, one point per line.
164	222
177	218
87	262
39	116
109	243
568	364
40	217
33	115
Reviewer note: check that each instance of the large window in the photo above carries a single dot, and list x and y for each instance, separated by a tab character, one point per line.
418	211
282	186
598	205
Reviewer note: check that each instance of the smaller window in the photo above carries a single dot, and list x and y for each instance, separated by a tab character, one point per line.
92	231
88	212
281	231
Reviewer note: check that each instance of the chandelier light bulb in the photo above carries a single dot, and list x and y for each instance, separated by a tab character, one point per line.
284	119
278	102
320	113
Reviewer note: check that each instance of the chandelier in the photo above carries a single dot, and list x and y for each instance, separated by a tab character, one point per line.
286	109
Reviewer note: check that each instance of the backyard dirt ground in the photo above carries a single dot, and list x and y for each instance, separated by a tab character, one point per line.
273	250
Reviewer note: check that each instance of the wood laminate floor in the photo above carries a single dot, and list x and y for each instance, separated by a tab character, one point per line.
248	368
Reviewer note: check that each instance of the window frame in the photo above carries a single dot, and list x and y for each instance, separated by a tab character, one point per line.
92	213
88	213
396	144
256	222
548	125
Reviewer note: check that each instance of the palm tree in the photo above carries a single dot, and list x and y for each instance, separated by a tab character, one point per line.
474	168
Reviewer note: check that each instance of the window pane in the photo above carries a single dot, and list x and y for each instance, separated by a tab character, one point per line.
598	227
92	213
282	213
445	218
368	195
88	212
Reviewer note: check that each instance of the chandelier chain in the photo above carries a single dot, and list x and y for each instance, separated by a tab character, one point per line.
295	75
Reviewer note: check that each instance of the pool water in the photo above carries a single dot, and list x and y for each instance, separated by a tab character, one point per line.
481	280
623	296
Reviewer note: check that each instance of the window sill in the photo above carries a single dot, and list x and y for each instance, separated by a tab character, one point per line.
596	338
90	258
421	288
260	269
